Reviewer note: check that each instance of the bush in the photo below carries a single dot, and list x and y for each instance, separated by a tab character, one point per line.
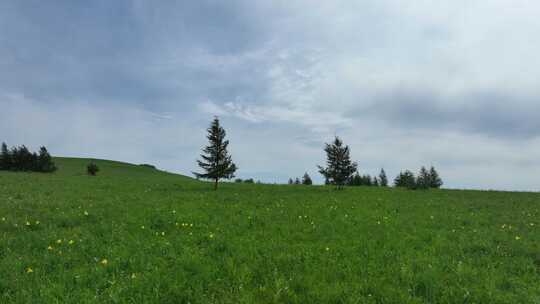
249	181
92	169
238	180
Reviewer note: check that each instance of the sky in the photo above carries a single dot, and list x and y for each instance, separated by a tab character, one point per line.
449	83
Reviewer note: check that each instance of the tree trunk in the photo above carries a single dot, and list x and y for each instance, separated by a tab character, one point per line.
216	183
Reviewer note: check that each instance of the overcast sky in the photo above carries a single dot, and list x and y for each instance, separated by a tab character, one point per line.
453	83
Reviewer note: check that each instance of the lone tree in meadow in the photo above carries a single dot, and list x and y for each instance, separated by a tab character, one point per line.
92	169
216	162
339	168
383	180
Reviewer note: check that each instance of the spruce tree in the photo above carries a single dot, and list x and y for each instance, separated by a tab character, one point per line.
297	181
375	182
306	179
44	161
406	180
366	180
409	180
424	179
5	158
339	166
355	180
399	180
434	180
383	180
216	162
291	181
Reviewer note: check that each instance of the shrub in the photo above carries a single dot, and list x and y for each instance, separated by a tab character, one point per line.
92	169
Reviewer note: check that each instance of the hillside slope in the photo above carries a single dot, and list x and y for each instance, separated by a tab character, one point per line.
137	235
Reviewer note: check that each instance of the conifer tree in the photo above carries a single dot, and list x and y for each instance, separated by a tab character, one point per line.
216	162
424	179
44	161
410	180
355	180
291	181
339	166
405	179
375	182
5	158
306	179
366	180
383	180
434	180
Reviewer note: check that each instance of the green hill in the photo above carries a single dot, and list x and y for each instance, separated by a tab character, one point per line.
134	234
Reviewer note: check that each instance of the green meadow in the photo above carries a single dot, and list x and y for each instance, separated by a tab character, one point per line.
133	234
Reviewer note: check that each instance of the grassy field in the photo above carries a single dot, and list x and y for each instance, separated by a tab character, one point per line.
138	235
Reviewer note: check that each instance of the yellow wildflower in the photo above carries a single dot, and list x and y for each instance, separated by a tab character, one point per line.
27	223
133	276
29	270
71	242
327	248
211	235
58	241
518	238
104	262
38	222
3	219
86	213
49	248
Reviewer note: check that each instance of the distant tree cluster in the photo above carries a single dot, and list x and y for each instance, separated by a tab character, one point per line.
368	180
21	159
425	179
339	170
246	181
306	180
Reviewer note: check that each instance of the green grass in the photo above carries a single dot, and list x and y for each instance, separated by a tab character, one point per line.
170	239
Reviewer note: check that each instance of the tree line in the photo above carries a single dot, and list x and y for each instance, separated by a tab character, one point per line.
339	171
21	159
306	180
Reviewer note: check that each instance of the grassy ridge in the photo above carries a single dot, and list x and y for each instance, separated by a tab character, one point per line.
137	235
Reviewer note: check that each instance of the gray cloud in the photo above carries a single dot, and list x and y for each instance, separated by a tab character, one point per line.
404	83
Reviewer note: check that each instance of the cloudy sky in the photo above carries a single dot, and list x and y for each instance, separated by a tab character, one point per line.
453	83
